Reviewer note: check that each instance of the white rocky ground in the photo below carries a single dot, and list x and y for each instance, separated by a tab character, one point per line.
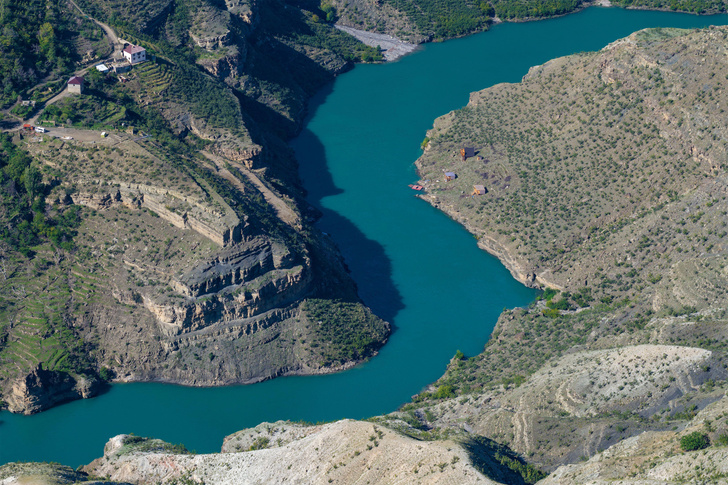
392	47
344	452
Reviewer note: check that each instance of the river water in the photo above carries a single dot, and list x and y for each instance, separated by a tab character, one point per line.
414	266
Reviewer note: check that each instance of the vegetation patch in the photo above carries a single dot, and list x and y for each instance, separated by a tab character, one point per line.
694	441
346	331
495	460
139	444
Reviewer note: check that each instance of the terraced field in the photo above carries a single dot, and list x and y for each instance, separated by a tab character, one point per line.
155	78
33	309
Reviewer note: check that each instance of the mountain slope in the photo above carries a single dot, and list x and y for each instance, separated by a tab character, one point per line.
605	177
178	248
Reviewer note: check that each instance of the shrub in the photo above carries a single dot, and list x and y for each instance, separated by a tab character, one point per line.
559	305
694	441
444	392
551	313
107	374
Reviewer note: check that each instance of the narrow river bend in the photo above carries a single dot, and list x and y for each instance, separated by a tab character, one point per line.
414	266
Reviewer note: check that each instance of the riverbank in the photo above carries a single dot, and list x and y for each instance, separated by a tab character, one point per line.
392	47
584	212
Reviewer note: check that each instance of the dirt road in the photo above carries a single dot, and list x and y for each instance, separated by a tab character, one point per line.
115	41
285	213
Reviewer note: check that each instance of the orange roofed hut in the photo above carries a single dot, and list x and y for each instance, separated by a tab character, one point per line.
479	190
467	152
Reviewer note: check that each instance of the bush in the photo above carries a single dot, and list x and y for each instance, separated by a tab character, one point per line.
444	392
562	304
551	313
107	374
694	441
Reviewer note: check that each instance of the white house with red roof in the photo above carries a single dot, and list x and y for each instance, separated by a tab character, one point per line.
75	85
135	54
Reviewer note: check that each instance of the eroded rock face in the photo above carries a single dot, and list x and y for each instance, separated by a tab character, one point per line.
233	266
240	282
227	67
342	453
283	288
42	389
221	226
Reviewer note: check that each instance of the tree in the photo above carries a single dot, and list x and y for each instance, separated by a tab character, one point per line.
694	441
47	41
33	182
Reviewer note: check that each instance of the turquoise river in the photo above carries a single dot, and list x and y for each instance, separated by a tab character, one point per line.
414	266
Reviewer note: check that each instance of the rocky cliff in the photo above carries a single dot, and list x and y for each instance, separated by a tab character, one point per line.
189	260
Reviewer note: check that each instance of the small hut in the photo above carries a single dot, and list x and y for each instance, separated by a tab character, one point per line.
450	176
479	190
75	85
121	67
467	152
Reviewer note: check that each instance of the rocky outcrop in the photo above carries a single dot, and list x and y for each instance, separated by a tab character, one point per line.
227	66
276	289
238	283
185	212
42	389
343	452
233	266
244	10
251	158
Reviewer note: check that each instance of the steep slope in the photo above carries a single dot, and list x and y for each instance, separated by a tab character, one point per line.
178	248
605	180
657	457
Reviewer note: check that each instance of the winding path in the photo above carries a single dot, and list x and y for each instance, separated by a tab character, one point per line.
115	41
117	45
284	212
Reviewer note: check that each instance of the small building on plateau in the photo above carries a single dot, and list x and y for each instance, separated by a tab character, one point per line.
467	152
450	176
479	190
75	85
135	54
121	67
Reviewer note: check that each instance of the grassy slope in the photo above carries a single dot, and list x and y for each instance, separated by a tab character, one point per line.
637	242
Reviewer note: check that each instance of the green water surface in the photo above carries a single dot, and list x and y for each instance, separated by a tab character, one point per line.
414	266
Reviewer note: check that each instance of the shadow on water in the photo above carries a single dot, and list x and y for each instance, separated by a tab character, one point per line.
365	258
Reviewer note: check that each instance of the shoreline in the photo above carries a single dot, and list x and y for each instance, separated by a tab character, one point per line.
392	47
